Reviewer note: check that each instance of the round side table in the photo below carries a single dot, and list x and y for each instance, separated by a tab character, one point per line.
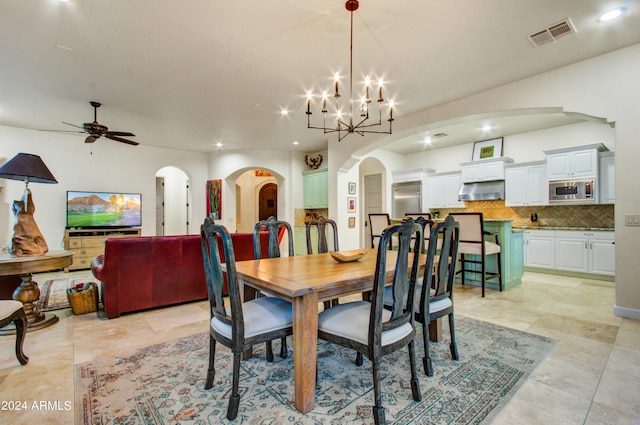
28	292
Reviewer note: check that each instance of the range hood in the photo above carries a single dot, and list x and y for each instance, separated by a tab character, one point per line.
482	191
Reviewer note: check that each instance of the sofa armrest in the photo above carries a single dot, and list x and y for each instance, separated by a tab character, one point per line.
97	265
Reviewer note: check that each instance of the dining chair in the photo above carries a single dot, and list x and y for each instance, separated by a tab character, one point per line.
436	298
377	223
372	330
274	228
473	243
13	311
243	324
321	224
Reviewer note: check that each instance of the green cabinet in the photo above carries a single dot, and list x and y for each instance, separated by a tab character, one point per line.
316	188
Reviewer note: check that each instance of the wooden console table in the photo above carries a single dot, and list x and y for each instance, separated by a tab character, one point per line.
28	292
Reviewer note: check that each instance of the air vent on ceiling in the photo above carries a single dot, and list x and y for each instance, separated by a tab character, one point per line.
552	33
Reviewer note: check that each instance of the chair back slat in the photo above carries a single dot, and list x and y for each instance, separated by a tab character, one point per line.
214	237
273	227
404	279
448	232
320	224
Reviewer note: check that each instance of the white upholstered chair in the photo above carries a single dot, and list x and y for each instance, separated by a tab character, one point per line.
474	244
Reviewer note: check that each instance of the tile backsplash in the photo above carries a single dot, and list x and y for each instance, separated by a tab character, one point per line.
548	216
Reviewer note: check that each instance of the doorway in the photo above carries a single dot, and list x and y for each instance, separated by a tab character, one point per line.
173	192
268	201
372	202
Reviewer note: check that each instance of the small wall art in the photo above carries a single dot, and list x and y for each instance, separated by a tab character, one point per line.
352	222
214	199
487	149
352	188
351	202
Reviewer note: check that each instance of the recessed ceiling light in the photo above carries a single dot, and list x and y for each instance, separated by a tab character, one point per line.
218	144
284	112
296	143
612	14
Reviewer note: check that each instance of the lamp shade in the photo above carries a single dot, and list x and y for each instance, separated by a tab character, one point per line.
26	166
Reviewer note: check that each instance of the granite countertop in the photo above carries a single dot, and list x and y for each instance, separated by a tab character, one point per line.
592	229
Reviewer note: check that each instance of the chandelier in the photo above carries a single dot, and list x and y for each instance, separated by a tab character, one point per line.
363	124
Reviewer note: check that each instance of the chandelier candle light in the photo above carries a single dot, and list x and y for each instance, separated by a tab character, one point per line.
363	126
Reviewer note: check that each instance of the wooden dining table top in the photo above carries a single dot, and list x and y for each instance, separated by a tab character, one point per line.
291	277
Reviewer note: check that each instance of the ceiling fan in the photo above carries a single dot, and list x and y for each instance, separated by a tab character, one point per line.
96	130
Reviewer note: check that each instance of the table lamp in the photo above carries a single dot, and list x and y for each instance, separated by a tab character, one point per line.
27	239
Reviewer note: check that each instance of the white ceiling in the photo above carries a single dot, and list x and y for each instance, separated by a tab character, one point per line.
191	73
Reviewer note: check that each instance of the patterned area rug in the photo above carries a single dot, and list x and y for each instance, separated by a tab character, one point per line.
53	293
164	383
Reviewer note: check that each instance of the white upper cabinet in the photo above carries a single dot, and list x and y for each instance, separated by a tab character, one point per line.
443	191
607	178
526	185
573	163
484	170
411	175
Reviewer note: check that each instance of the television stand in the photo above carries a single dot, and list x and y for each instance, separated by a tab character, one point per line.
89	243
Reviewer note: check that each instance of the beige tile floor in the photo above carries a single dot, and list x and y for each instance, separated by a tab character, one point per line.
592	377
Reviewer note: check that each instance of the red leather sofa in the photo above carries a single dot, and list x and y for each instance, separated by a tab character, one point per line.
140	273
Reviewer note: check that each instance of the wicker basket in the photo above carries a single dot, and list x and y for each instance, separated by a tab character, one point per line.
84	301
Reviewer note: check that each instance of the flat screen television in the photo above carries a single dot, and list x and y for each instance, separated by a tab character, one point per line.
101	210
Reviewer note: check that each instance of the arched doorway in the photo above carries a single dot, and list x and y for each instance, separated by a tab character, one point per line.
173	193
268	201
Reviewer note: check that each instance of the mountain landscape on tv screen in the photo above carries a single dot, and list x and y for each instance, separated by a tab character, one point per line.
103	209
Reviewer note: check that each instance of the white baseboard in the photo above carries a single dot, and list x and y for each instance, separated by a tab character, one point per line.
627	313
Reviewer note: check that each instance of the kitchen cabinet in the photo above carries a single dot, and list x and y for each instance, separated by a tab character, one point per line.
607	178
587	252
484	170
411	175
573	163
316	188
577	251
443	190
526	185
540	249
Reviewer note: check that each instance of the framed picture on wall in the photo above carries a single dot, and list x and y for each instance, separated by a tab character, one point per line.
352	188
214	199
487	149
351	204
352	222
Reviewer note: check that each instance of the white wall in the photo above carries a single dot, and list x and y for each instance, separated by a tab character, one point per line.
112	167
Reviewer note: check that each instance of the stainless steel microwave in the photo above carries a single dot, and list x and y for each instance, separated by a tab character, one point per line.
572	191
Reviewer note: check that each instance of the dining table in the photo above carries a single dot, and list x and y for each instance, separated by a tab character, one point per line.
306	281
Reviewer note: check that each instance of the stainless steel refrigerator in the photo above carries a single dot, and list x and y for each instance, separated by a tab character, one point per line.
407	198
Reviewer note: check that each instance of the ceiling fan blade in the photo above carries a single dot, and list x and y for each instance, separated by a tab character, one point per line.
72	125
63	131
91	139
119	139
120	133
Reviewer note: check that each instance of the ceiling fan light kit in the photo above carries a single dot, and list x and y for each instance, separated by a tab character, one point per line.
363	126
